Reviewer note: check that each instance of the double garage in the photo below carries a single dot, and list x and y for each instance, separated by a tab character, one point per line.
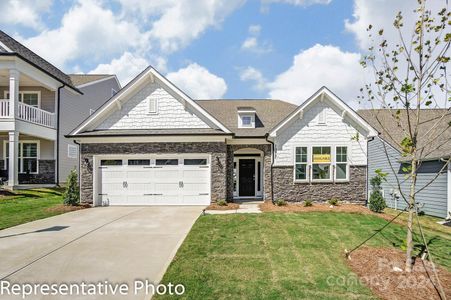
177	179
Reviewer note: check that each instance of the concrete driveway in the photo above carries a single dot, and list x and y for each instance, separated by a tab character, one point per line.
113	244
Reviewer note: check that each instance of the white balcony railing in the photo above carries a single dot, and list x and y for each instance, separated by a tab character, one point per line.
28	113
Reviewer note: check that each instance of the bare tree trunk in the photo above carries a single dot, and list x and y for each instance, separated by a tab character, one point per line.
409	241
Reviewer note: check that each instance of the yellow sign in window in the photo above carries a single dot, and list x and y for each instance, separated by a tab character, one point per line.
321	158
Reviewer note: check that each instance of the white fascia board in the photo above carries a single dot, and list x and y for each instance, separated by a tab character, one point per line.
149	139
320	96
186	98
149	73
5	47
134	84
99	81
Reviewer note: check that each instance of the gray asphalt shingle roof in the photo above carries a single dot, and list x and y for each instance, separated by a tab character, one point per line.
79	79
141	132
28	55
434	131
268	114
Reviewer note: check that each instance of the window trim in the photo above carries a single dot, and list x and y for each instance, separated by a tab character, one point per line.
6	92
149	101
243	115
333	163
38	154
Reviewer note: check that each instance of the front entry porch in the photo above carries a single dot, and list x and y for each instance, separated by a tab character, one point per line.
34	163
248	174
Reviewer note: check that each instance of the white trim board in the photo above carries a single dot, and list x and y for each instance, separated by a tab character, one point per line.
148	75
324	94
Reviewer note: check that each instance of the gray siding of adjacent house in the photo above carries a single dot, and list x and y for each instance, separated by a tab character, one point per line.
434	197
75	109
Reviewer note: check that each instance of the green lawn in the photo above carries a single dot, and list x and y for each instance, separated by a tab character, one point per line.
281	255
28	205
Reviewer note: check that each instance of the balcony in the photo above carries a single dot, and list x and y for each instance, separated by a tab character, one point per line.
28	113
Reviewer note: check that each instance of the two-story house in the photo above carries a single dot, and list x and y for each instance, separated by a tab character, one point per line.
39	104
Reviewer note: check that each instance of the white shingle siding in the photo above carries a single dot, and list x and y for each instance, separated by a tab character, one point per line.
134	113
307	131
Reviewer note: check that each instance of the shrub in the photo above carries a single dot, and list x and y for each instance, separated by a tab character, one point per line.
221	202
377	201
308	203
334	201
71	194
280	202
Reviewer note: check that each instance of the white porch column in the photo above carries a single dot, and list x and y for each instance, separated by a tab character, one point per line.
13	91
448	214
13	178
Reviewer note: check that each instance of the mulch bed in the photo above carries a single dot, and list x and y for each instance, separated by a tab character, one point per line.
61	208
229	206
6	193
374	267
268	206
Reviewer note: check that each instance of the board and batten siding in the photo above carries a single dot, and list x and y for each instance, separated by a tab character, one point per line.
434	197
306	131
76	108
134	113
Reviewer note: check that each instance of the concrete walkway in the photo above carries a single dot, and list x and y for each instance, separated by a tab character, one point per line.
117	244
245	207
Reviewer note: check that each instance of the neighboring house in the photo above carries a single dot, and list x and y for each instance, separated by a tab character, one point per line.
151	144
31	90
385	154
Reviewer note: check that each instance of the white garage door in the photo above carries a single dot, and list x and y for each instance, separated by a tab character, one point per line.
154	181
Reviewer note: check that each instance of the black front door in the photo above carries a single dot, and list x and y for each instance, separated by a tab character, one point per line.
247	177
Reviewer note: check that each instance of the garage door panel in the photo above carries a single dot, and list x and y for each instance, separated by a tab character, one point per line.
154	185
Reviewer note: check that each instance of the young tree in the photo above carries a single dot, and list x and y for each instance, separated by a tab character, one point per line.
409	76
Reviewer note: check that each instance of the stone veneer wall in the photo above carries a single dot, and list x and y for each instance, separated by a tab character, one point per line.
217	150
46	174
353	191
266	148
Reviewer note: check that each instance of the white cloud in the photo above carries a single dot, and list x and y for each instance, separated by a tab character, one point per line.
320	65
252	42
185	20
380	14
87	31
125	67
298	2
25	12
255	76
198	82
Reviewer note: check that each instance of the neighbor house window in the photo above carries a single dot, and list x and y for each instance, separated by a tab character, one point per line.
301	163
28	97
27	157
341	158
153	105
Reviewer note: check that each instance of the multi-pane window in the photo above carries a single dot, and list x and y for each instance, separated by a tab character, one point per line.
341	159
321	163
27	157
301	163
30	98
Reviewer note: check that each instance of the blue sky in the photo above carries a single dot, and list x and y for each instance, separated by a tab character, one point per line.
211	49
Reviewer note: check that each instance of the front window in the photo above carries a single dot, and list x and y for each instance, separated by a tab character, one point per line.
321	161
301	163
27	157
342	163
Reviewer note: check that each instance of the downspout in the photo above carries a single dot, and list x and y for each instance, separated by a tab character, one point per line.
272	164
57	164
367	171
79	168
